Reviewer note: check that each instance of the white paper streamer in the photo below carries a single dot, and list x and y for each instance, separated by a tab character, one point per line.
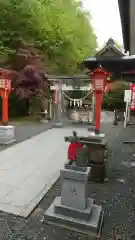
81	103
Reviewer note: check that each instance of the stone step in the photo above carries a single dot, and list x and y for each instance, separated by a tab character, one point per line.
93	227
73	212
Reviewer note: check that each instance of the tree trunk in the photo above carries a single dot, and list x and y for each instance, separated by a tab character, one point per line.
27	107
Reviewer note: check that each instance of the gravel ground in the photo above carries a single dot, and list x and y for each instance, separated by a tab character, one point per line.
116	196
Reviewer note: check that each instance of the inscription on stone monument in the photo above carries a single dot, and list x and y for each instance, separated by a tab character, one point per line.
73	192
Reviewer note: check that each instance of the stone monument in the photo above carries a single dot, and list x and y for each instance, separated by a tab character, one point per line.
74	209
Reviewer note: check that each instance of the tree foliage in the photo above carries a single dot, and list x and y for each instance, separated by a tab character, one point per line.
58	32
60	28
114	99
118	45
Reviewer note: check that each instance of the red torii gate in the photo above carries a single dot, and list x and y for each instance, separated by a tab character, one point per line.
5	90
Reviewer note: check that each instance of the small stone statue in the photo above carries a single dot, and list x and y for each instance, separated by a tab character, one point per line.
82	157
79	152
73	138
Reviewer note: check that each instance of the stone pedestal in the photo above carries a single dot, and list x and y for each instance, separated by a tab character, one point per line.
44	121
73	209
7	134
57	125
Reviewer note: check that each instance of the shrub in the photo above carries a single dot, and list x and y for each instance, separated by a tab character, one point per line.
114	99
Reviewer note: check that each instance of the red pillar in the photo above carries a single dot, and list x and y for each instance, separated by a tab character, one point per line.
98	98
5	106
54	97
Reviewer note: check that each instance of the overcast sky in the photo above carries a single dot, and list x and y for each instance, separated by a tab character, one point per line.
105	19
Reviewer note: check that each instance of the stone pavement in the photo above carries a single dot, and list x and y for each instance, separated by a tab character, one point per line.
29	169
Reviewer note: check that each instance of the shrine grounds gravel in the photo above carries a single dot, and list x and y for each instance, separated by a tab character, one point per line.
117	196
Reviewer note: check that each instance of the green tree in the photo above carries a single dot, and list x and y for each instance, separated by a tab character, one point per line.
118	45
43	35
61	29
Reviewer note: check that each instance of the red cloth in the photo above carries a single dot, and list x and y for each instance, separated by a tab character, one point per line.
72	150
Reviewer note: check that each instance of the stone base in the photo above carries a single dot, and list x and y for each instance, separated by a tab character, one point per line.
91	226
98	173
7	134
83	214
57	125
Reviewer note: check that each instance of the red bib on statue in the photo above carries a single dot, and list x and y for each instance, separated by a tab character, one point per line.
72	150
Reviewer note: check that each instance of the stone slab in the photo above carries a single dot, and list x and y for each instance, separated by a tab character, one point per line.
93	227
73	212
90	139
7	134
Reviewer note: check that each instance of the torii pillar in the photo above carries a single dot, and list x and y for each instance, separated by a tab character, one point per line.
4	94
58	106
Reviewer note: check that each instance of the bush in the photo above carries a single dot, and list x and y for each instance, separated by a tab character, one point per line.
114	99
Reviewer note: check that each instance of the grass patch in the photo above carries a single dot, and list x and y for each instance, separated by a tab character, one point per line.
24	119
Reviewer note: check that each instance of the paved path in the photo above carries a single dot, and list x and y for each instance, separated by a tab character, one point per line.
28	170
